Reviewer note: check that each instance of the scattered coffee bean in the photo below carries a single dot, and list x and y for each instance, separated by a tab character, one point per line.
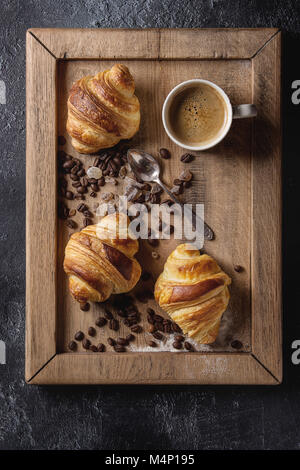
177	345
164	153
152	344
100	347
114	324
111	341
188	346
108	314
101	321
119	349
179	338
238	268
87	221
236	344
187	158
72	345
71	223
79	336
69	195
68	164
122	341
86	343
61	140
81	189
93	194
158	335
158	318
136	329
150	311
82	207
130	337
84	306
91	331
93	348
176	328
81	172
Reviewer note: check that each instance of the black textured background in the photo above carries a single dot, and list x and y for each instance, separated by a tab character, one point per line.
184	417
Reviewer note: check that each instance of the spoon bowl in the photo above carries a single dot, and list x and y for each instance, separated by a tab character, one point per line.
143	165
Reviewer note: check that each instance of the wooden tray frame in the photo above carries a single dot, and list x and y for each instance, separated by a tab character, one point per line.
263	365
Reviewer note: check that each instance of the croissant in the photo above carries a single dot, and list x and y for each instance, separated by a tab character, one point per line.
102	110
99	260
193	290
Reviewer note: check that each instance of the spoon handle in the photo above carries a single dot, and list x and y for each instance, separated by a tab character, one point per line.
208	233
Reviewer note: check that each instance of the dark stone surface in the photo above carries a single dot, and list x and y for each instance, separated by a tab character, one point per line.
138	417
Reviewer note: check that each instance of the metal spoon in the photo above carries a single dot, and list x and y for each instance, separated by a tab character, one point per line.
146	168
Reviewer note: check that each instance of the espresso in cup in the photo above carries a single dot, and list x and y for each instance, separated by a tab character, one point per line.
198	115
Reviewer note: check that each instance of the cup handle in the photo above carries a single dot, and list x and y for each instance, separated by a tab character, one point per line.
244	111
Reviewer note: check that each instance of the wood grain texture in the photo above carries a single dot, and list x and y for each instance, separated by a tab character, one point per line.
267	209
153	368
40	206
166	43
228	179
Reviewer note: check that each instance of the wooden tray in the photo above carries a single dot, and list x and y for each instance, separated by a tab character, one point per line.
239	181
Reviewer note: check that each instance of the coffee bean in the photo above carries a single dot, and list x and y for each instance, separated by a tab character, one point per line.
114	324
61	140
87	213
81	190
122	341
68	164
111	341
122	313
176	328
93	194
188	346
72	345
95	187
158	335
86	343
91	331
119	349
87	221
101	321
136	329
76	184
167	328
101	181
108	314
82	207
158	318
71	224
84	306
81	172
75	169
130	337
238	268
69	195
101	347
74	178
187	158
177	345
152	344
93	348
236	344
79	336
179	338
164	153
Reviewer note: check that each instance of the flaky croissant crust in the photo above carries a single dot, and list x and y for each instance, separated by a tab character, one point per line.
102	110
193	290
99	264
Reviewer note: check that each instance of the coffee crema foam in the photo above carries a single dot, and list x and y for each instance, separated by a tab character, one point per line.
198	115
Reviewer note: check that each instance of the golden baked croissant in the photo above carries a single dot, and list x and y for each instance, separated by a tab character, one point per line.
100	262
193	290
102	110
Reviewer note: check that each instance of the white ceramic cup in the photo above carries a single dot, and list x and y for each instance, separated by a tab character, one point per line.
233	112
